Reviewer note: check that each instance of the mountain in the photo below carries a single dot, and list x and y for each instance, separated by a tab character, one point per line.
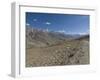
85	37
42	38
48	48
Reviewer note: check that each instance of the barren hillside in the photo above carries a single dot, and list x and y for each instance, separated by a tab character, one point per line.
51	49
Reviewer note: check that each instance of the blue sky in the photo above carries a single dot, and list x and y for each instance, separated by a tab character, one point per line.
65	23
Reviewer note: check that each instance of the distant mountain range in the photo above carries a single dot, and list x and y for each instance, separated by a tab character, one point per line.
42	38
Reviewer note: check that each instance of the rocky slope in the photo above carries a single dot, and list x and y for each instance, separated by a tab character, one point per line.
53	49
42	38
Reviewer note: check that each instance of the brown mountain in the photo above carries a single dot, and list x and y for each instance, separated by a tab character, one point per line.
42	38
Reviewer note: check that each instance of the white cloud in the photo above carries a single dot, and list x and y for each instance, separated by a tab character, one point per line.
34	19
27	24
48	23
68	32
83	33
62	31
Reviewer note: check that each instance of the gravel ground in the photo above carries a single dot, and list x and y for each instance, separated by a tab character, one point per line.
68	53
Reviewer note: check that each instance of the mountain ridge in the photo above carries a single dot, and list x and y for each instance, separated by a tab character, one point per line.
42	38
